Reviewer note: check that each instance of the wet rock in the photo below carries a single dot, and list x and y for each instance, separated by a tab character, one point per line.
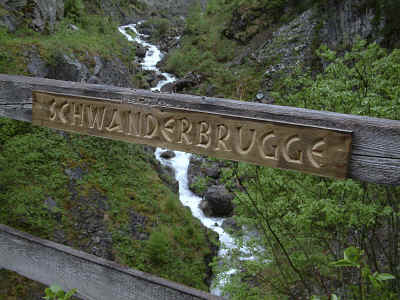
167	175
194	171
141	51
217	202
167	154
189	81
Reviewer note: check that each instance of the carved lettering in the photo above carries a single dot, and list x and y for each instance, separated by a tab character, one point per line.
270	143
185	128
151	126
134	123
168	130
116	122
269	149
62	115
204	135
96	117
223	134
240	148
291	156
53	110
316	154
77	114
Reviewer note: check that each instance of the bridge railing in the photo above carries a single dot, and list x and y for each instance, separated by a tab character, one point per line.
317	142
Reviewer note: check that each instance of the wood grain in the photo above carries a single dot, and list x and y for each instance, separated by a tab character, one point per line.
94	278
375	145
283	145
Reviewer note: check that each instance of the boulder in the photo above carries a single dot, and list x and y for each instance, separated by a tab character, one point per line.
40	15
217	202
36	65
67	67
140	51
167	154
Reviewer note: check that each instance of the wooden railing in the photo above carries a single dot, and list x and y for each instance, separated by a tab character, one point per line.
317	142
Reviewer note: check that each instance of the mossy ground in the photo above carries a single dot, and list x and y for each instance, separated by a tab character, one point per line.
33	163
97	35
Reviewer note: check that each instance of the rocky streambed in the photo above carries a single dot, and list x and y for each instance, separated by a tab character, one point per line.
212	204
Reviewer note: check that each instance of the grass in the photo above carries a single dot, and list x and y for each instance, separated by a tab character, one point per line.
33	163
96	36
206	51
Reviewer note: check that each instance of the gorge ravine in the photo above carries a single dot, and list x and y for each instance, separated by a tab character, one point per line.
180	163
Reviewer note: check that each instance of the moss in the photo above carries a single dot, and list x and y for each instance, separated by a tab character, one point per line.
121	175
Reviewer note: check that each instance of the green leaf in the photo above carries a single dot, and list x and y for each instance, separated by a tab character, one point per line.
384	276
353	254
343	263
55	289
334	297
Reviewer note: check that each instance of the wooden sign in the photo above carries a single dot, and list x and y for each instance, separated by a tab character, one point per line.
309	149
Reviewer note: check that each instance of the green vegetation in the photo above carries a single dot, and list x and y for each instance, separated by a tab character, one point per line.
205	51
55	292
35	164
96	36
305	222
200	185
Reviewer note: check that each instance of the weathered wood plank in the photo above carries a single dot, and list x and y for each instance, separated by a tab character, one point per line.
375	146
283	145
94	278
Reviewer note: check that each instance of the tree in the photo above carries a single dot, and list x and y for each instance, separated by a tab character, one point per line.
303	222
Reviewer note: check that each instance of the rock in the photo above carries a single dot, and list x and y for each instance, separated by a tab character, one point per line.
10	22
140	51
137	224
194	171
189	81
50	203
94	80
217	202
75	173
213	171
168	154
40	15
230	225
67	67
37	66
210	90
167	175
114	72
73	27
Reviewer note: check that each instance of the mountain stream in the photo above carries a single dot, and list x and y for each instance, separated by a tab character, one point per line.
180	163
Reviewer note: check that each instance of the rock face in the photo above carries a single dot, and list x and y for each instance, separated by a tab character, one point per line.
346	20
335	23
217	202
173	8
43	13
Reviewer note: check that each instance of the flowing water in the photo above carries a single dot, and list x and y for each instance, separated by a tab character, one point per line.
180	162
